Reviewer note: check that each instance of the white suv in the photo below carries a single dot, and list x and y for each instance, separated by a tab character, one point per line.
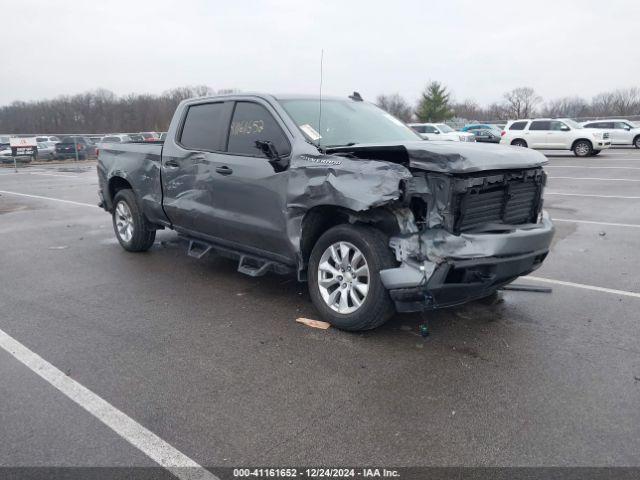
555	134
623	132
441	131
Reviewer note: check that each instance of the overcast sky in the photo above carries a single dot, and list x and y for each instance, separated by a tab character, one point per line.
479	49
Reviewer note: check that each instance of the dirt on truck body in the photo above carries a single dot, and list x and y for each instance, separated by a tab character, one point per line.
349	199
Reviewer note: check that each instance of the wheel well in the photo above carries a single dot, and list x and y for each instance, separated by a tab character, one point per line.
519	140
115	185
573	145
635	139
321	218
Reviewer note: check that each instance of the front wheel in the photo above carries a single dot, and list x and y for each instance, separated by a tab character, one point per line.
582	148
636	141
133	230
344	278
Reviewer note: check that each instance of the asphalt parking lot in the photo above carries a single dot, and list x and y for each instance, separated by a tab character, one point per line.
214	364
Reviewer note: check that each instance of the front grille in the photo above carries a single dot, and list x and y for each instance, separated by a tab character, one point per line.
511	199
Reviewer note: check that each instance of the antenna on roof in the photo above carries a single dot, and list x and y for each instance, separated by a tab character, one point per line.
320	102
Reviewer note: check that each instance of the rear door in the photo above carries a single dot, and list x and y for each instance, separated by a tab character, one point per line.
188	162
249	195
537	134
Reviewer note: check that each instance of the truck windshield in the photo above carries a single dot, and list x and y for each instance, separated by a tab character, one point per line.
346	122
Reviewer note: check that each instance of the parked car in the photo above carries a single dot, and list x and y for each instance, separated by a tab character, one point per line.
555	134
96	138
441	131
116	138
372	216
136	137
47	138
46	151
67	147
4	141
150	136
623	132
485	135
482	126
7	157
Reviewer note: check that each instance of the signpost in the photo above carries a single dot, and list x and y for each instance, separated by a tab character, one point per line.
22	146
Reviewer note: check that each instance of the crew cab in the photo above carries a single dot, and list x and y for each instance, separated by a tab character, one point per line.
352	201
441	131
555	134
623	132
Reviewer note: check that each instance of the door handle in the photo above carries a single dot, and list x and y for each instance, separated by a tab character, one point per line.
198	158
224	170
171	164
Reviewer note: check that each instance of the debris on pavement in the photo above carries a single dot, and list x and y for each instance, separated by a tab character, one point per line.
60	247
313	323
526	288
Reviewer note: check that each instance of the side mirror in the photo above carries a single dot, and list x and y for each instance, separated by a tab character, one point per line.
437	132
564	128
627	128
271	152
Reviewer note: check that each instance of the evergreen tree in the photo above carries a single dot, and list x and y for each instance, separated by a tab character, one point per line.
434	104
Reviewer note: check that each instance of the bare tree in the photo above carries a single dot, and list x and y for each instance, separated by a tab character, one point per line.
395	105
626	101
566	107
521	102
468	109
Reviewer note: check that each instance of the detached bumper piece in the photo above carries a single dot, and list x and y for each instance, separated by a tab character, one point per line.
457	282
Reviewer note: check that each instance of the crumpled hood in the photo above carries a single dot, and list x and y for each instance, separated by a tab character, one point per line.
448	157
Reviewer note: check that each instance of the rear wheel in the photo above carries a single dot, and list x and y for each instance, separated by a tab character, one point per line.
133	230
344	278
582	148
636	141
519	143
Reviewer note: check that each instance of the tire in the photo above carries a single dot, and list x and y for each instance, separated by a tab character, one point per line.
636	142
519	143
132	229
596	152
376	306
582	148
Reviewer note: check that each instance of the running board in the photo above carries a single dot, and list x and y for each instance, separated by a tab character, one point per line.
198	249
254	267
251	265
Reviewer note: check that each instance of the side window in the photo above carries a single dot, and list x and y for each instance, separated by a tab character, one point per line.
540	125
517	126
606	125
430	129
558	126
252	122
419	128
204	127
620	125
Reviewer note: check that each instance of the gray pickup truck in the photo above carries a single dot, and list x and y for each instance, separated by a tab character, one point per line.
339	193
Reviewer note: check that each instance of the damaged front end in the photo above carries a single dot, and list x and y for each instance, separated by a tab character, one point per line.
462	236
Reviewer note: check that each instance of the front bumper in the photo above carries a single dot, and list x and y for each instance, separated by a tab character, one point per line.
468	266
601	144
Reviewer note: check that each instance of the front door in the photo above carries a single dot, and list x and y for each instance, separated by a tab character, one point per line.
249	194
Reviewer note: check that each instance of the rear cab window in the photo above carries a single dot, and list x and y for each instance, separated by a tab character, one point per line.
204	126
252	122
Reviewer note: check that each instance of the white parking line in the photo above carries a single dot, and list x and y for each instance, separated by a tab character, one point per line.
39	197
590	195
590	222
581	285
582	166
600	179
38	173
137	435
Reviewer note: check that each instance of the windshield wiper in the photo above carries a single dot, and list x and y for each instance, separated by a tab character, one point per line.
350	144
